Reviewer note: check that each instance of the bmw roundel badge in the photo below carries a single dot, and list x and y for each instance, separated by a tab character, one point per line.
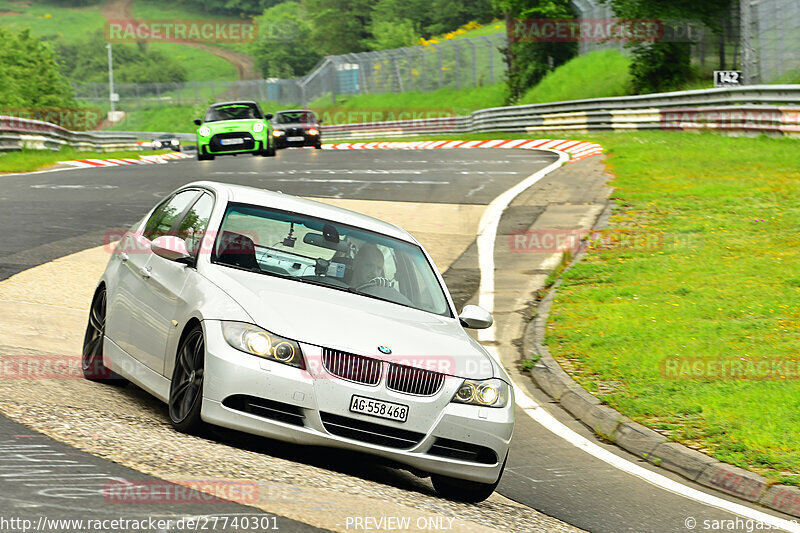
384	350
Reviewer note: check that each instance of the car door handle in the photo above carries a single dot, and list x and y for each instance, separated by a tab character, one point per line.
145	272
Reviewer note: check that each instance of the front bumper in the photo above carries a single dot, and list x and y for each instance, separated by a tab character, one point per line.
252	143
312	407
308	140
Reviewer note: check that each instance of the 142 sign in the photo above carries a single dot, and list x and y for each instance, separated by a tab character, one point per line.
727	78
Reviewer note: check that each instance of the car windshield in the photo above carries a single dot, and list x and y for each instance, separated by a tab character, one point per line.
232	112
321	252
303	117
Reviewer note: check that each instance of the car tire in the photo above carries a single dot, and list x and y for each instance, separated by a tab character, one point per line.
463	490
92	364
269	152
186	386
202	156
318	146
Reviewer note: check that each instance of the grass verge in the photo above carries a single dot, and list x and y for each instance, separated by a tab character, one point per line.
451	101
348	109
173	119
30	160
694	273
594	75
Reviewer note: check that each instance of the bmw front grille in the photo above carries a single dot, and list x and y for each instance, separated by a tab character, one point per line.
369	371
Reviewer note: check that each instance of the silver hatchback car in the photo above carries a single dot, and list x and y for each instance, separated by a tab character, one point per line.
299	321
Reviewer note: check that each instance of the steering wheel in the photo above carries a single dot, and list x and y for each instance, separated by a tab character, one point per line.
377	282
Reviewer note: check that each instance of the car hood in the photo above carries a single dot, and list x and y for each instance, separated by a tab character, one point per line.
231	125
356	324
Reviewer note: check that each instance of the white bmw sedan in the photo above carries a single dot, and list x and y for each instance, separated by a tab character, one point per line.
295	320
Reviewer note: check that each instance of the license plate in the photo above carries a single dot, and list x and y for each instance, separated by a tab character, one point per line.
379	408
294	139
228	142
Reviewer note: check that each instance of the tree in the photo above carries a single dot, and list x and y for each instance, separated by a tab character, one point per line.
661	66
528	62
447	15
284	48
87	61
30	73
339	26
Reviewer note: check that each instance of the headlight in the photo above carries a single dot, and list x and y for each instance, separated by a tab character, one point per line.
256	341
489	393
204	131
157	144
278	133
313	131
258	127
174	142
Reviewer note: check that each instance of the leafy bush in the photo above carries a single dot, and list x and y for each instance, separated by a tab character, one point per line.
284	48
30	73
87	61
659	67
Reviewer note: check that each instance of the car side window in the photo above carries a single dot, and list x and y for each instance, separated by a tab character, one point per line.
162	220
194	224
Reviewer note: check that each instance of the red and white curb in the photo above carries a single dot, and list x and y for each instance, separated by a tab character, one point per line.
576	149
143	160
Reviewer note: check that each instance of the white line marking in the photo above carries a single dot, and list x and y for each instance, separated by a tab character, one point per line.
487	234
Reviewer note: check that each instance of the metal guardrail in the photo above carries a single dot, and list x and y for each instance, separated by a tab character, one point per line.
752	109
767	109
20	133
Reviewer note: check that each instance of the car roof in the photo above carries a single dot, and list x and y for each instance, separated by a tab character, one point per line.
287	202
294	111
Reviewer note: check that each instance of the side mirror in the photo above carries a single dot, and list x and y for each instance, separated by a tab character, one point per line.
268	116
171	248
319	121
475	317
198	122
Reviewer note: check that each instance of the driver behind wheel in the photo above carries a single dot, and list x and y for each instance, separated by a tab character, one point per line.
368	267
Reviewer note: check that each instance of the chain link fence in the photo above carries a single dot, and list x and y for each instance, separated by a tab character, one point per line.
454	64
770	40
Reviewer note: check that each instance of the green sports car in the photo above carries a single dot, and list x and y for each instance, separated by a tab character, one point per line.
231	128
